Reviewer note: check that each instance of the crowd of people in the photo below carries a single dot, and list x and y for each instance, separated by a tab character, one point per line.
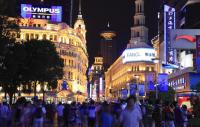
129	113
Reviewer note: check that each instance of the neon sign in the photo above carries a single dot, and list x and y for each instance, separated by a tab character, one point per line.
53	13
169	23
186	37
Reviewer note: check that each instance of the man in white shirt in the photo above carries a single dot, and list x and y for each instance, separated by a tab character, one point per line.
130	116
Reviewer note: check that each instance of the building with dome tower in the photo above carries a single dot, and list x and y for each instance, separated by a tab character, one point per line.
134	69
70	43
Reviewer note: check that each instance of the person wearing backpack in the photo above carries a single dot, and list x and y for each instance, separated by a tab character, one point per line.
39	114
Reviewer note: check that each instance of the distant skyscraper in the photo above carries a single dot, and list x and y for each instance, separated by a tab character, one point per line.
108	46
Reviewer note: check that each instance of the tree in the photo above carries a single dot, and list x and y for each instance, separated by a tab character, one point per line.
10	57
43	63
165	96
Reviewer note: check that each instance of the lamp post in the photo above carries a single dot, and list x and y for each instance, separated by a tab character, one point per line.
137	92
156	61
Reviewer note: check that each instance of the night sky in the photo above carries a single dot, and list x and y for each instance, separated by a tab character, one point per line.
120	14
96	14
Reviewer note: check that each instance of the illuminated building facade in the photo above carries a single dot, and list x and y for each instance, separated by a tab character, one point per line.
96	79
70	44
108	49
183	77
135	66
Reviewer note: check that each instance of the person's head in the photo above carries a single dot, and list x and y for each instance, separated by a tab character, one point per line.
60	103
131	101
184	107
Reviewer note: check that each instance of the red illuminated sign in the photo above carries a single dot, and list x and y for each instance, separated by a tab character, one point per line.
187	37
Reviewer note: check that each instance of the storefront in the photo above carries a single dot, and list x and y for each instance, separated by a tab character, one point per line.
184	83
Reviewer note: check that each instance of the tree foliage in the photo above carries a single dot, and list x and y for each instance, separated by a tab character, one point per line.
165	96
26	62
43	63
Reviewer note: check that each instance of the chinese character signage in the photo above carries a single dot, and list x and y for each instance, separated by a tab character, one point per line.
141	89
198	52
53	13
163	82
169	23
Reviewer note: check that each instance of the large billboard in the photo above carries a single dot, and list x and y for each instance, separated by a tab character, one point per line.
184	38
162	82
138	54
53	13
169	23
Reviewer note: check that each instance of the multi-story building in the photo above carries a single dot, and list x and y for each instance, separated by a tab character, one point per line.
183	77
96	79
70	44
135	68
108	49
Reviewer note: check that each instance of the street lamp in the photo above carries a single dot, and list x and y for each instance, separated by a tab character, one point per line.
137	92
156	61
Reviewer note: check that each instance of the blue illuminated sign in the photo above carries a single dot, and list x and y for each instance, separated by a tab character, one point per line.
141	89
53	13
198	53
169	23
163	82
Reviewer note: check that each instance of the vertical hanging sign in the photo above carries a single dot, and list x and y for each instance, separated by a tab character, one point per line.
169	23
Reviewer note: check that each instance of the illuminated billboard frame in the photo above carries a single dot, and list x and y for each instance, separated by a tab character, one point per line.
138	54
52	13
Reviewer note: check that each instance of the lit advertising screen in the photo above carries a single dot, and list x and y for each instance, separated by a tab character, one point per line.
184	38
52	13
163	82
169	23
138	54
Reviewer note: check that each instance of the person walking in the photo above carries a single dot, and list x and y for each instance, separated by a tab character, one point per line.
130	116
39	114
157	114
169	115
106	117
59	109
184	115
92	115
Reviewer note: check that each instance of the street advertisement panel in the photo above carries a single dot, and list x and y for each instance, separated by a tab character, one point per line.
141	89
64	85
133	88
162	82
150	81
184	38
124	93
53	13
198	53
138	54
169	23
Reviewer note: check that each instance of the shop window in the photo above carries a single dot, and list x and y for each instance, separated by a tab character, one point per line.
37	36
55	37
44	37
32	36
27	36
51	37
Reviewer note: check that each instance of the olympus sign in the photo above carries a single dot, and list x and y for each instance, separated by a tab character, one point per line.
41	10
